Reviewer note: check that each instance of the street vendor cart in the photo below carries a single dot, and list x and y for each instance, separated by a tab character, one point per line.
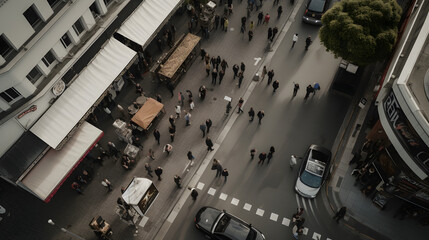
145	116
101	228
140	194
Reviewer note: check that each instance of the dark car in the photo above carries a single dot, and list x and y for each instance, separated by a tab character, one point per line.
221	225
314	11
314	170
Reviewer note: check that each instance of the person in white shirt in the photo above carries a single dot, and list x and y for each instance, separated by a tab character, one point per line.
294	39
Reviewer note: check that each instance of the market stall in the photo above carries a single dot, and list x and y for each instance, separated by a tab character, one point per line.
140	194
145	116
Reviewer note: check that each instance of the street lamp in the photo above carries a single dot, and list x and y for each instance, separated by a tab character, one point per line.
65	230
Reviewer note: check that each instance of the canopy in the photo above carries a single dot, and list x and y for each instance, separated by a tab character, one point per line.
147	113
49	173
140	194
71	106
146	20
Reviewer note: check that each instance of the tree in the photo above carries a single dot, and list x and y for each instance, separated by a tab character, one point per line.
361	31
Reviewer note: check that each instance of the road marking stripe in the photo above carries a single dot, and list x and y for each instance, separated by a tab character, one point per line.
274	217
297	200
235	201
305	231
316	236
212	191
223	196
200	186
143	221
303	203
286	222
247	206
260	212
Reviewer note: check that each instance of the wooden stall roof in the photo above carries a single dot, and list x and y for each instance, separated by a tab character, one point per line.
179	55
147	113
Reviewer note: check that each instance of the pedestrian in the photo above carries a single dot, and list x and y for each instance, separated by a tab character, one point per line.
214	76
252	153
107	184
136	141
168	148
157	135
240	105
262	157
250	35
172	121
235	68
218	167
209	144
158	172
158	98
114	152
292	162
208	68
172	131
178	110
228	107
203	129
251	114
217	19
316	87
340	214
76	186
226	24
300	222
308	91
222	23
208	124
242	67
270	154
178	181
279	11
251	26
275	85
225	173
189	94
202	92
203	53
194	193
267	18
170	88
191	104
260	17
181	98
240	78
308	42
221	74
151	154
270	76
148	169
294	39
224	64
188	118
213	61
270	33
218	61
190	156
275	31
295	89
260	115
264	72
243	23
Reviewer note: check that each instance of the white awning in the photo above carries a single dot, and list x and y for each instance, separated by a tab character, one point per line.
146	20
136	190
51	171
77	99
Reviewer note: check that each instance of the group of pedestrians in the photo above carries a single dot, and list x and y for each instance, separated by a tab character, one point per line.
263	155
260	115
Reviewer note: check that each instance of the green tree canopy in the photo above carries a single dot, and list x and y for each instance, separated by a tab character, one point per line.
361	31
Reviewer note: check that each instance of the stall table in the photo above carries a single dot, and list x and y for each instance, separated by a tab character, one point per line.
147	113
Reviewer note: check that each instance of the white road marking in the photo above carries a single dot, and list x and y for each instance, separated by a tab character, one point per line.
143	221
260	212
186	168
274	217
257	60
286	222
247	206
200	186
305	231
212	191
223	196
316	236
235	201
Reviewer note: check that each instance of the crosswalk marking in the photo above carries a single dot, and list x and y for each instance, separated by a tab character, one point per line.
316	236
235	201
260	212
286	222
247	207
200	186
223	196
212	191
274	217
305	231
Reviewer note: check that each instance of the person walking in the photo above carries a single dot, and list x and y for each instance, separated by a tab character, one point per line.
240	105
168	148
225	173
191	104
240	79
148	169
252	153
264	72
158	172
188	118
235	69
267	18
190	156
76	186
202	92
316	87
270	154
242	67
260	17
178	111
203	129
279	11
295	89
181	98
228	108
308	91
262	157
275	31
172	131
157	135
294	39
270	33
275	85
260	115
250	35
171	120
251	26
203	53
218	61
222	23
208	68
292	161
340	214
224	65
217	20
225	24
270	76
219	169
208	124
221	74
251	114
178	181
308	42
151	154
113	151
106	183
214	76
194	193
209	144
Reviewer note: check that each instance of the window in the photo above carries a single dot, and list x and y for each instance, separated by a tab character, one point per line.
52	3
94	10
65	40
48	59
34	75
10	94
78	27
32	17
5	47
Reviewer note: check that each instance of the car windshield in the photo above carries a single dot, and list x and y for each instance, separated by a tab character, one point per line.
319	156
316	5
312	175
231	228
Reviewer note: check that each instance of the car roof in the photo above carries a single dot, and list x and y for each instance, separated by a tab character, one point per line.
316	5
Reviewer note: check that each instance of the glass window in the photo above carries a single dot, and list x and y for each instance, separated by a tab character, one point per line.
94	10
34	75
10	94
52	3
32	16
5	47
78	27
48	59
65	40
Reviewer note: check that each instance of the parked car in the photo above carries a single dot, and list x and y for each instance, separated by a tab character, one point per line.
221	225
314	170
314	11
